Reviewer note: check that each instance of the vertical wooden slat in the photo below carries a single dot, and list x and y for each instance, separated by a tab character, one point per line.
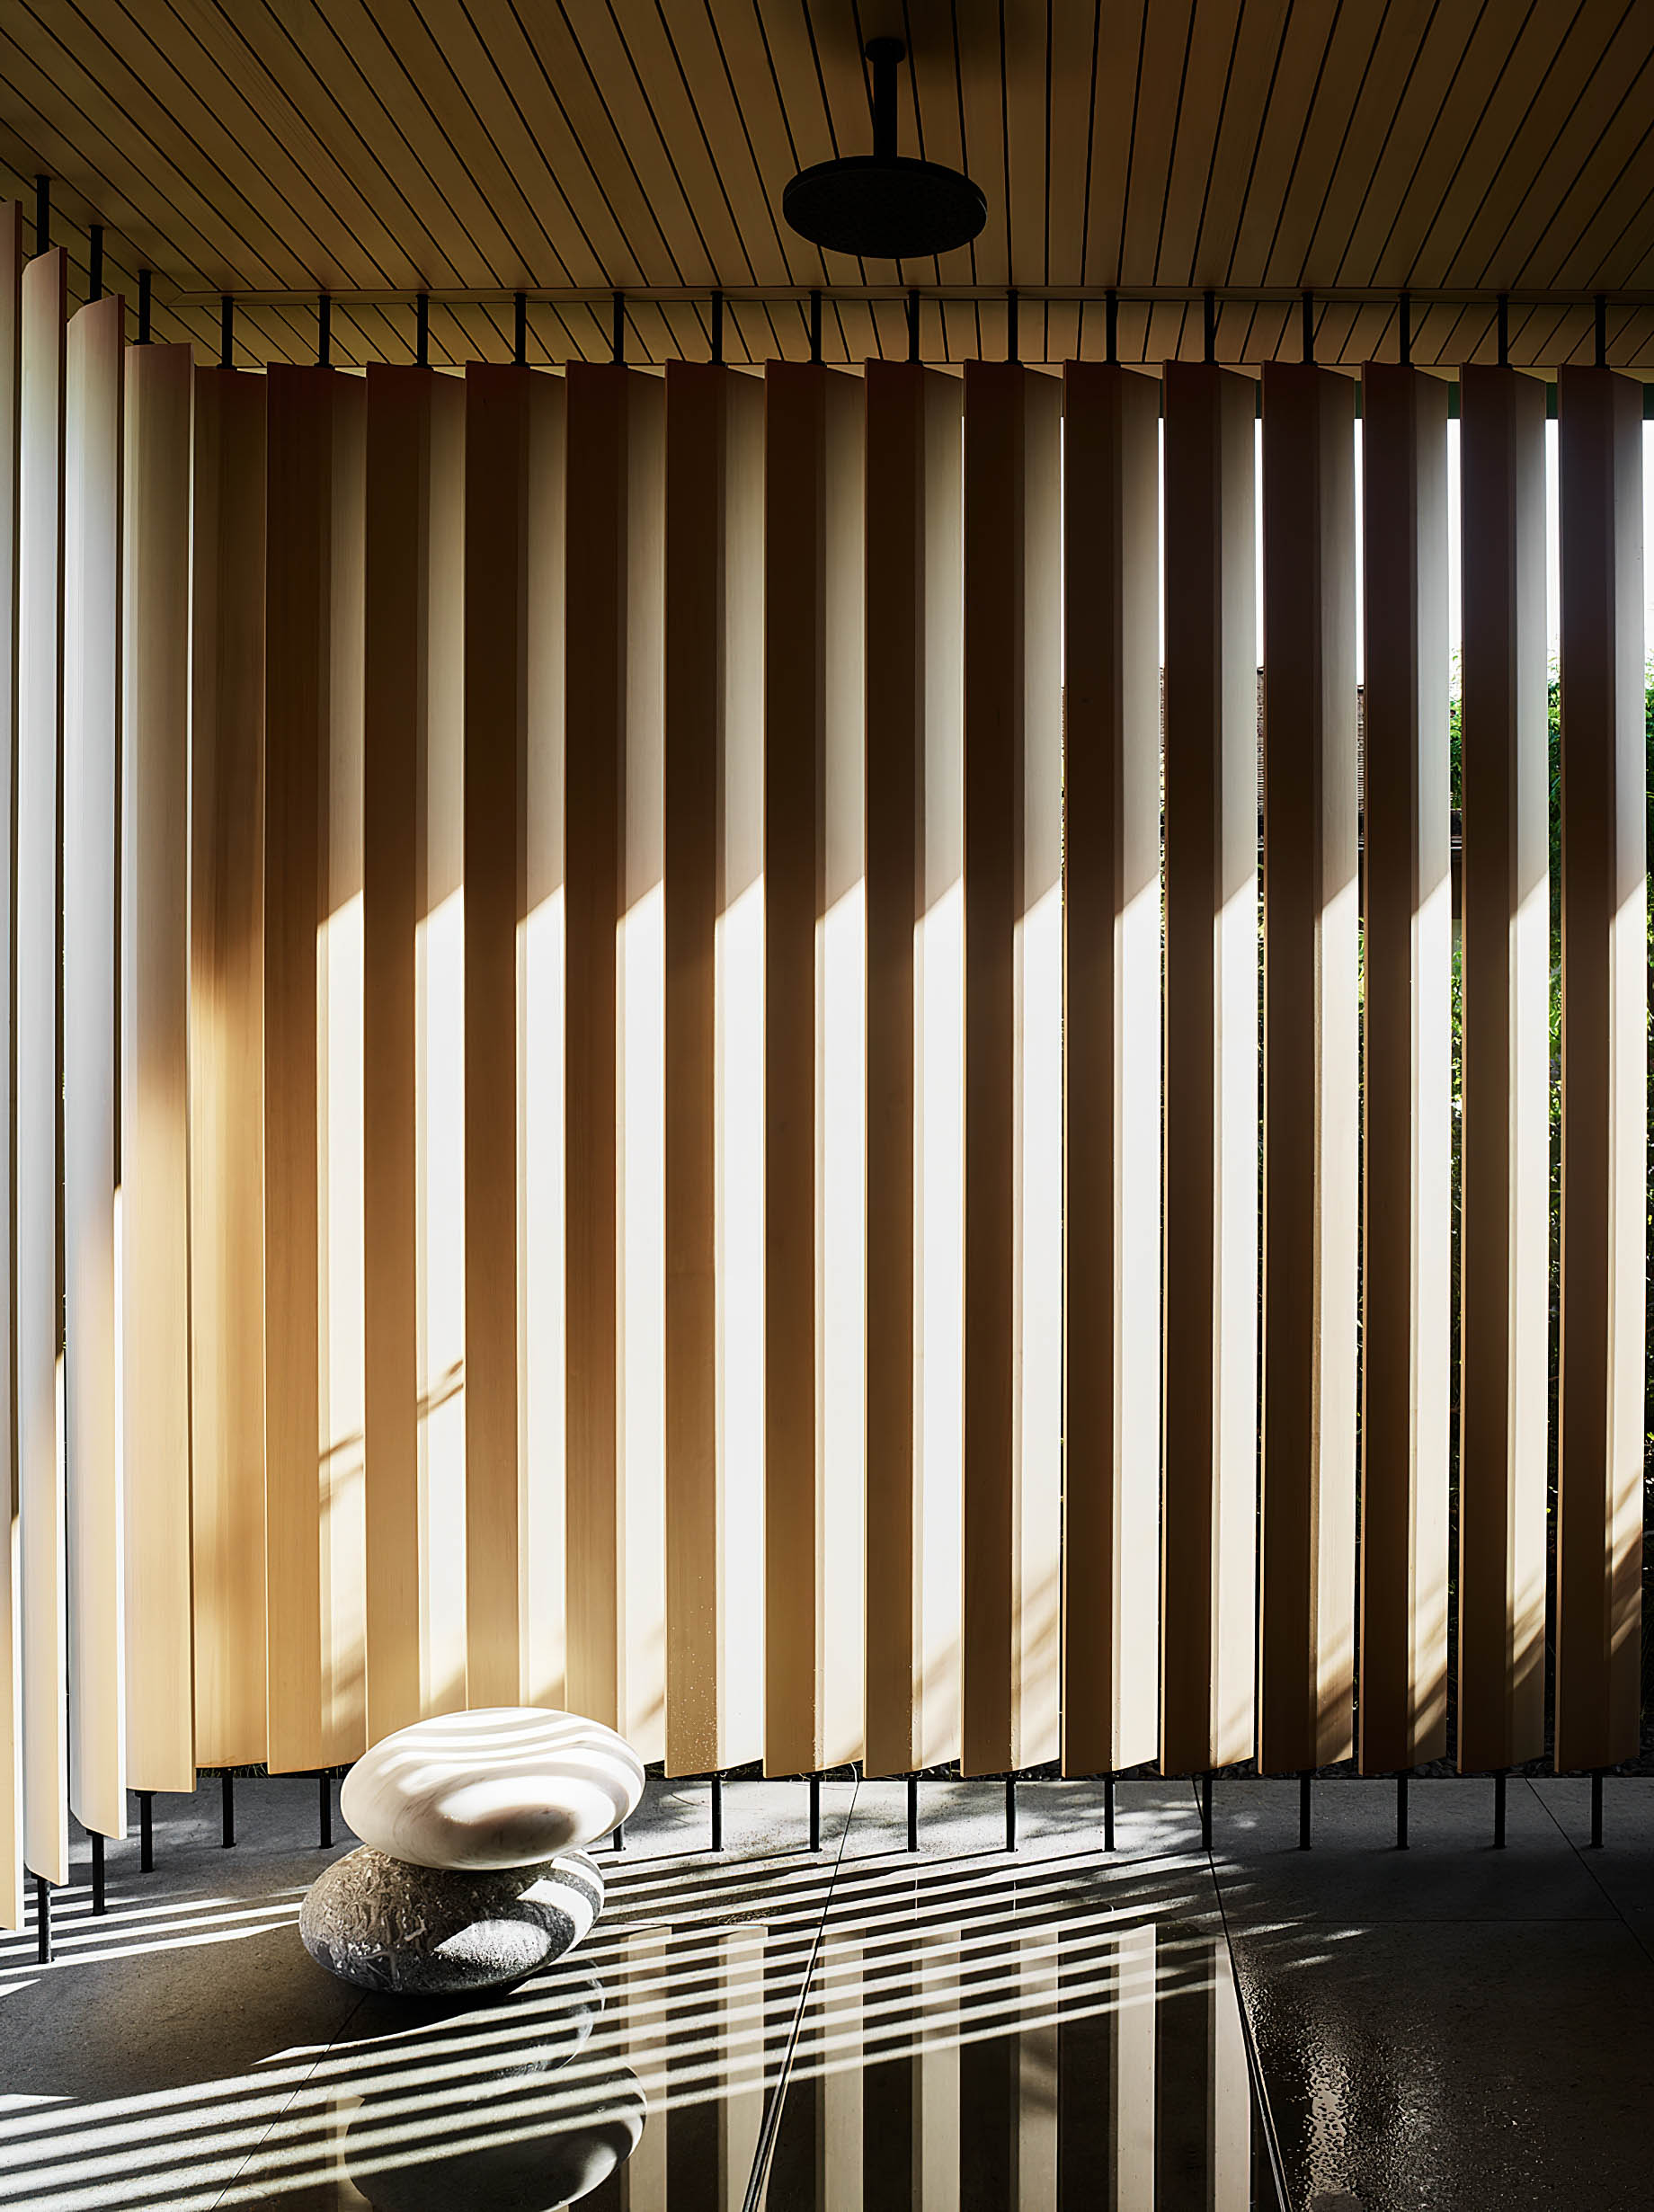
594	800
1112	1036
496	620
1013	1044
1406	1074
413	1285
615	1103
11	1593
1600	1402
313	1128
513	1038
155	1071
541	1194
39	1278
813	1093
1208	1553
714	954
1505	1116
227	1066
914	1032
94	418
1312	1076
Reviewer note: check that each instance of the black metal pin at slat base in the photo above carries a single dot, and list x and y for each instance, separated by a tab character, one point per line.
617	1840
1401	1812
1010	1812
145	1831
1498	1812
227	1786
325	1794
1205	1812
1304	1781
1597	1811
100	1897
815	1812
1108	1812
912	1812
42	1919
718	1812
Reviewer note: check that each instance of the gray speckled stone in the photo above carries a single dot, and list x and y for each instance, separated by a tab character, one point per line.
429	1932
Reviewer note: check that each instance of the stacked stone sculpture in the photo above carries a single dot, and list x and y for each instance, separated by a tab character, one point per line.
471	1873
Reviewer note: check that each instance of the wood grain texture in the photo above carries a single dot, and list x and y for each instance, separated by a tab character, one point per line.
1601	1388
412	931
914	1071
39	1069
1112	1038
1406	1073
1311	1075
313	1127
814	1029
227	1066
1209	1509
11	1591
94	470
1505	1289
713	954
155	1071
1013	1073
615	1100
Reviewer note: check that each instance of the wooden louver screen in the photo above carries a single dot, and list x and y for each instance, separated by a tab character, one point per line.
721	1098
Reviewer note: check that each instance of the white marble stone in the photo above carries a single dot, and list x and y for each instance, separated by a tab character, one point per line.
480	1792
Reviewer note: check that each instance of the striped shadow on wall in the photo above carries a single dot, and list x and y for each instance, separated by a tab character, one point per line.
666	1103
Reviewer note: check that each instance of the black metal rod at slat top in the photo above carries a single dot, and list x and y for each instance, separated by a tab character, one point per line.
100	1893
1498	1811
422	331
1599	309
145	1831
912	325
815	327
1404	330
717	327
519	329
1209	317
324	331
227	332
1111	327
1308	330
1013	335
144	289
94	262
42	215
1504	330
616	330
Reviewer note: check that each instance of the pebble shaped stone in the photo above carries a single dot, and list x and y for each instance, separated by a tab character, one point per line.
425	1931
510	1786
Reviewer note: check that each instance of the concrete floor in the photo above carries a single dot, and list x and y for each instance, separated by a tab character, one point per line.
859	2030
1451	2026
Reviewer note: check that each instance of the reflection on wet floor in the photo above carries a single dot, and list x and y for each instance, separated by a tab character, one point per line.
961	2031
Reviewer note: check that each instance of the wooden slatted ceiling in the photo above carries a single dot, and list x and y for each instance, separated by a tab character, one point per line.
383	145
